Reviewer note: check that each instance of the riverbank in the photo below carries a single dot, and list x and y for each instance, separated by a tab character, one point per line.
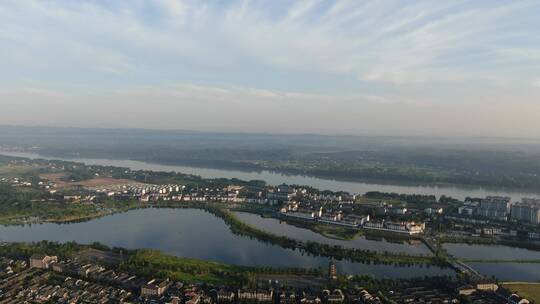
459	192
61	213
499	261
489	241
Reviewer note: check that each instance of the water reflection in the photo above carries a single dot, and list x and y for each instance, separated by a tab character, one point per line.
362	242
194	234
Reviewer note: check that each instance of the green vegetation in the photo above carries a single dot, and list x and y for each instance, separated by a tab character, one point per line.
151	263
18	170
490	241
498	261
20	205
335	232
62	250
530	291
374	201
411	200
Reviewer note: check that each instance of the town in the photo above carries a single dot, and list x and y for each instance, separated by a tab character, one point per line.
107	190
93	276
490	217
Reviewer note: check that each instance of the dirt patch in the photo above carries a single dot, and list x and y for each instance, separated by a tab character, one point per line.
58	179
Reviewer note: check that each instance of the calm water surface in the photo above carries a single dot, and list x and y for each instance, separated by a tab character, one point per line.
195	234
523	272
503	271
491	252
283	228
273	178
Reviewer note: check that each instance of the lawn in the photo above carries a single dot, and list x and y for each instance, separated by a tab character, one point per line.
18	170
152	263
530	291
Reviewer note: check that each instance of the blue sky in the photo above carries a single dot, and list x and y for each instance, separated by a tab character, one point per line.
353	67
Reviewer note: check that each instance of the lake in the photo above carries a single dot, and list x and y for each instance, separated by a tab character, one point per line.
283	228
274	178
491	252
522	272
503	271
194	233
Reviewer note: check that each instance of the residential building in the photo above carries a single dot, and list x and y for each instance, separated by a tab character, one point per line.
255	295
42	261
225	296
527	211
336	297
154	288
466	210
495	207
399	227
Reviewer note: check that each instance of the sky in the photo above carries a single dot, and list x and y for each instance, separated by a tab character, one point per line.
437	68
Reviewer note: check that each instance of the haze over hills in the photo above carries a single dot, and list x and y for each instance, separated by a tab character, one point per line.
474	161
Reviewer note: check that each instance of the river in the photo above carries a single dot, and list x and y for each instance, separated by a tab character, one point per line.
196	234
274	178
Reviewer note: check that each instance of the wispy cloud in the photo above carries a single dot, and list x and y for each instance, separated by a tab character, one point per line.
377	57
386	41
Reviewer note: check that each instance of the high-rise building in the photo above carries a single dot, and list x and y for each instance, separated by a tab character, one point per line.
528	211
495	207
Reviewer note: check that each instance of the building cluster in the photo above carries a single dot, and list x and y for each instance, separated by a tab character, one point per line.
295	210
397	227
16	181
489	292
47	279
33	285
174	192
502	209
480	292
526	211
82	282
234	194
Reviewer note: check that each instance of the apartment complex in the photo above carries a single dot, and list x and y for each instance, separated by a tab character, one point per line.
528	211
495	207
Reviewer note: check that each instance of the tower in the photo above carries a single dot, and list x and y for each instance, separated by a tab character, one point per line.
332	270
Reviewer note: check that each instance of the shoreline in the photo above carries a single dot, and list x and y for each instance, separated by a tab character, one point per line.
313	248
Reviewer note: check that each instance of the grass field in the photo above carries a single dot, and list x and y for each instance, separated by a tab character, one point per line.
151	263
18	170
530	291
58	179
